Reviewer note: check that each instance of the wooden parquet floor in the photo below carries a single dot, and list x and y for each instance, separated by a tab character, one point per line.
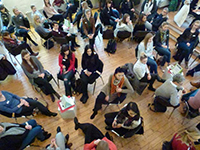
157	126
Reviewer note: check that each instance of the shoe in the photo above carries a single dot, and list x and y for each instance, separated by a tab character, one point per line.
52	97
53	114
57	95
46	137
93	115
175	58
35	54
34	43
197	84
160	79
186	65
76	123
190	73
108	136
151	89
84	99
67	137
58	129
69	145
108	128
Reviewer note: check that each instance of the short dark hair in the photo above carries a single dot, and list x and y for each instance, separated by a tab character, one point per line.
119	70
54	22
32	6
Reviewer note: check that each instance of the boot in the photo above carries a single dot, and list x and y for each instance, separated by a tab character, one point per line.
197	84
52	97
186	64
76	123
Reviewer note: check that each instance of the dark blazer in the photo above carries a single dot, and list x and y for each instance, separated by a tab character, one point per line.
157	21
185	37
193	5
125	8
157	38
88	30
107	15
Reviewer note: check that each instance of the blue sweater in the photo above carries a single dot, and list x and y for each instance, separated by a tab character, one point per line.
10	104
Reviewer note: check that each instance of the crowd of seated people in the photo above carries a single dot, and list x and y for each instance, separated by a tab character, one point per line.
127	121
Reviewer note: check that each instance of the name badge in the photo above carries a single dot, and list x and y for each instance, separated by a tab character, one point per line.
193	35
7	102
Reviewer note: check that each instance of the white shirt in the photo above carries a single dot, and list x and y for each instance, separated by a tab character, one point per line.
140	69
148	51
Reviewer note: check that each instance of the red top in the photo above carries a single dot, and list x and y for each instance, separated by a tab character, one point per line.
72	63
92	146
178	145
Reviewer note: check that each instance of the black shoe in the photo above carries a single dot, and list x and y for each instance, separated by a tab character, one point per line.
151	89
57	95
58	129
76	123
84	99
107	135
160	79
93	115
190	73
53	114
52	97
34	43
108	128
67	137
46	137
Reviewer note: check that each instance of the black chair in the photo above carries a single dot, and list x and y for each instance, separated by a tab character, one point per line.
163	101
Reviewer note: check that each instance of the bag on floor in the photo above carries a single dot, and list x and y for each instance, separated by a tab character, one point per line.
167	145
111	46
49	45
108	34
78	86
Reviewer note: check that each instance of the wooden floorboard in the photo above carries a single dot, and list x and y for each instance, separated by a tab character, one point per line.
157	126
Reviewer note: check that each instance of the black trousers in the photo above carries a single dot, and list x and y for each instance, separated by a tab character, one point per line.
97	29
72	39
78	18
101	100
91	132
122	35
88	80
159	107
6	68
16	51
43	82
25	35
34	104
153	78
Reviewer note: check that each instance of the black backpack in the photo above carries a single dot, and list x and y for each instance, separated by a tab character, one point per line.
111	46
78	86
49	45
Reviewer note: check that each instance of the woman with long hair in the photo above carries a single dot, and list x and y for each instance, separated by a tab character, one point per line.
114	91
127	8
187	42
161	42
92	68
125	121
89	27
124	28
140	30
149	8
146	46
51	12
35	72
66	61
19	19
46	33
6	20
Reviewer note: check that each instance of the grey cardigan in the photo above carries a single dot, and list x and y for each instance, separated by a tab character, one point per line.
31	76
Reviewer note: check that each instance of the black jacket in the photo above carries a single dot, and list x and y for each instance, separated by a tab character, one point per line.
125	8
157	21
90	63
107	15
188	37
89	3
154	9
193	5
157	39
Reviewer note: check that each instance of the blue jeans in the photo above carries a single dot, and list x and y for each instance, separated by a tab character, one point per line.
116	12
153	65
165	52
67	82
186	50
35	132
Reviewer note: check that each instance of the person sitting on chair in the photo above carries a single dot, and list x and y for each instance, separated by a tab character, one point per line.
19	136
94	138
66	61
161	42
22	29
109	17
127	8
192	71
142	72
60	142
43	32
126	121
35	72
92	69
114	91
124	28
37	12
89	27
193	100
187	42
11	103
170	91
56	32
6	68
6	20
15	46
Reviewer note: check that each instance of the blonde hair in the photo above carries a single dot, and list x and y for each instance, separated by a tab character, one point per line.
162	25
146	39
102	145
35	20
14	8
197	21
84	5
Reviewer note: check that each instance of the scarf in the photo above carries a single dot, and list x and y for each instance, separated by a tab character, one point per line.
116	83
163	36
13	130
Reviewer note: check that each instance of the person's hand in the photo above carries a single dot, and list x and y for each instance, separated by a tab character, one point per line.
117	20
132	9
130	22
49	30
64	67
65	72
114	124
4	58
68	34
149	77
96	142
90	36
107	98
183	91
188	44
118	126
118	90
41	75
28	127
24	102
194	10
164	46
